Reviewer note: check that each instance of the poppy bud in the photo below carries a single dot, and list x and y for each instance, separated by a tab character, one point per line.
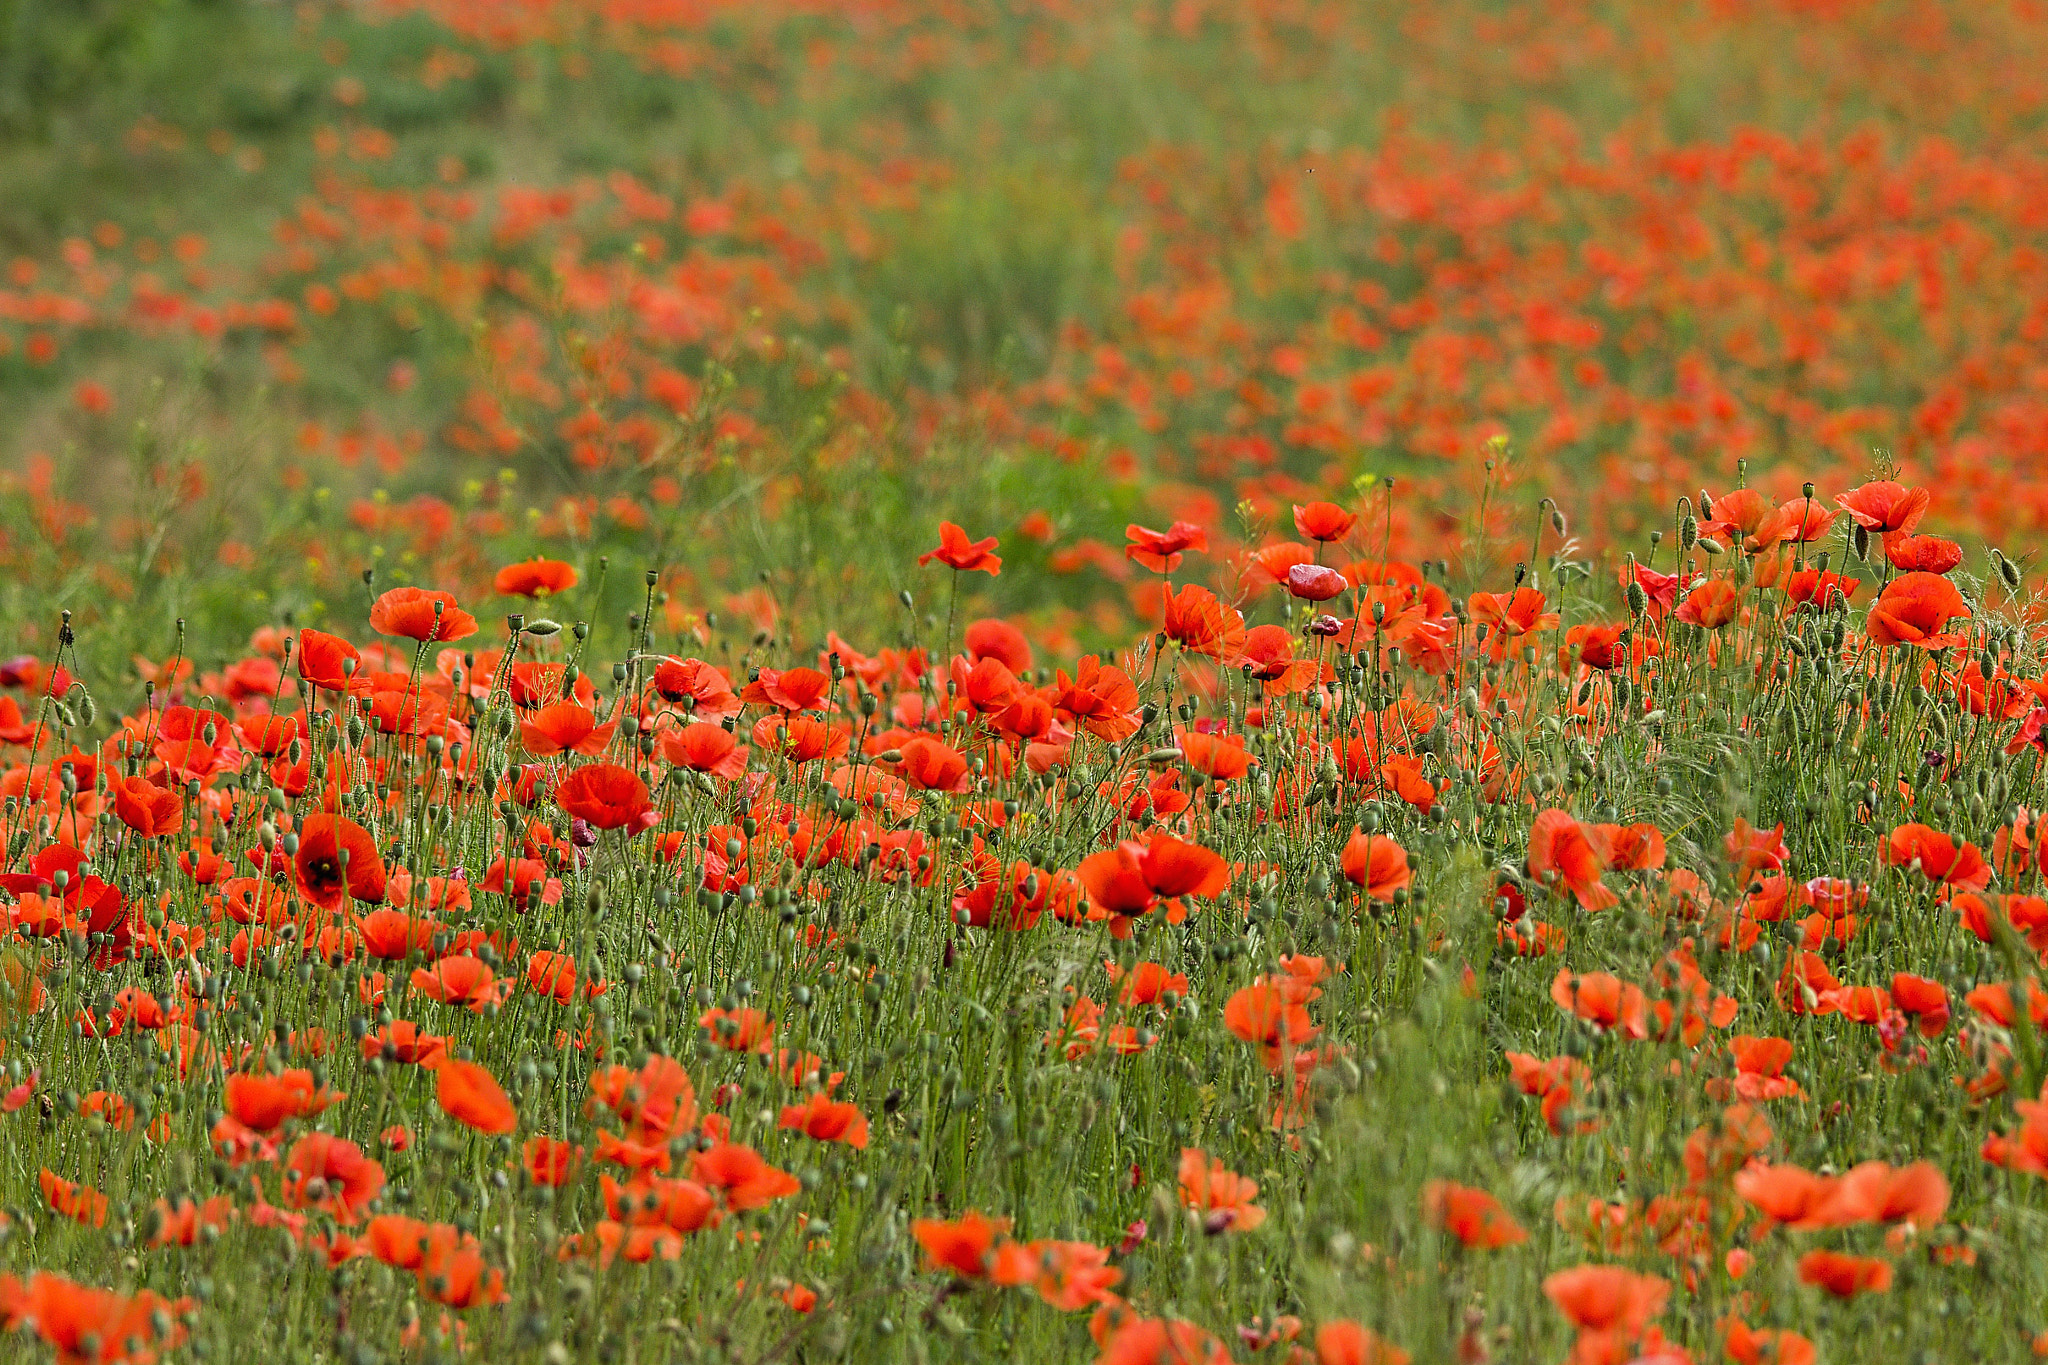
1861	541
541	626
2007	570
1688	535
1557	521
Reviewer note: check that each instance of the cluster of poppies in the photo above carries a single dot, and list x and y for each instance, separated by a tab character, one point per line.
429	953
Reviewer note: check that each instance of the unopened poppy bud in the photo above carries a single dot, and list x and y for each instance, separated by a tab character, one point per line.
2007	570
542	626
89	711
1706	505
1688	535
1860	539
1557	521
1161	757
905	598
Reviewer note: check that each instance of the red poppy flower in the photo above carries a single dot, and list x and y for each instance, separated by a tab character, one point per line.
962	1245
1598	647
1208	1187
1576	853
1711	605
1161	551
710	695
470	1095
1128	880
329	661
1508	617
956	551
1474	1217
798	689
827	1120
1885	506
263	1102
933	765
739	1173
550	1161
337	858
1845	1276
1604	1298
1812	585
1203	624
1220	758
1338	1342
535	578
417	614
1603	1000
1269	651
607	796
705	748
563	728
1922	554
1938	856
1376	863
1913	609
1324	521
146	808
331	1173
992	639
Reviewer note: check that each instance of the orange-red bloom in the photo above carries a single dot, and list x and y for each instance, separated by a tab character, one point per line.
1915	609
1473	1216
1222	1195
337	860
417	614
470	1095
956	551
535	578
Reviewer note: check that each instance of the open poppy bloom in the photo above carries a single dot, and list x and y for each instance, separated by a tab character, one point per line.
1602	1000
1223	1196
956	551
417	614
1324	521
607	796
1573	855
535	578
1474	1217
1937	856
146	808
1130	879
1161	551
1376	864
1885	507
1915	609
1845	1276
470	1095
263	1102
337	860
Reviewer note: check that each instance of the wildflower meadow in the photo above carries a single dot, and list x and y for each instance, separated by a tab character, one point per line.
930	681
